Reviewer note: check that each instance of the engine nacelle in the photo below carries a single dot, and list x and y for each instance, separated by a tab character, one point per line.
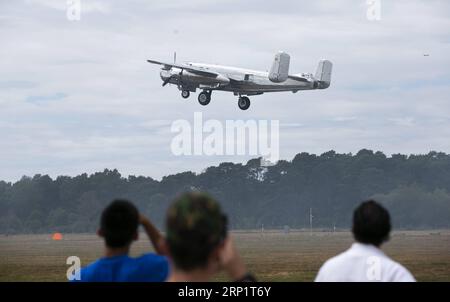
280	68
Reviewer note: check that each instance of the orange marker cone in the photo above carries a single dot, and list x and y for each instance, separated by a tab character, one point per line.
57	236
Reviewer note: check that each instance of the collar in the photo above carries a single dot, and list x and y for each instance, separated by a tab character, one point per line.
357	246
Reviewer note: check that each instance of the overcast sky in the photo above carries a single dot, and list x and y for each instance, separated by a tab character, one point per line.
78	96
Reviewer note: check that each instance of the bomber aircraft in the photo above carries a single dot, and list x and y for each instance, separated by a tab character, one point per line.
242	82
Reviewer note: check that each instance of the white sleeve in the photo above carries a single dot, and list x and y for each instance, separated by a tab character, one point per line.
401	274
321	275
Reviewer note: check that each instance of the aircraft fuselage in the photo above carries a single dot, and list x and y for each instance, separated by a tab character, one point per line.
238	80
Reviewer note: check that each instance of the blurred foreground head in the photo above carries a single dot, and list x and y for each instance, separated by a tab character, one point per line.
119	224
196	228
371	223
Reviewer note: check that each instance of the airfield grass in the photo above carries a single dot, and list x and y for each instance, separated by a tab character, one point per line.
272	256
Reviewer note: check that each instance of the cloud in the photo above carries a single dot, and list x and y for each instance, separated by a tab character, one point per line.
79	96
403	121
44	98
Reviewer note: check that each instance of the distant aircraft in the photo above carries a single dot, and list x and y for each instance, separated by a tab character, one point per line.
242	82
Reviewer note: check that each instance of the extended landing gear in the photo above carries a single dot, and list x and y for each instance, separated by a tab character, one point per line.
185	94
204	98
243	102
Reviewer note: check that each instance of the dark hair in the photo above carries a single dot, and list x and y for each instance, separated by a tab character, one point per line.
371	223
119	223
195	227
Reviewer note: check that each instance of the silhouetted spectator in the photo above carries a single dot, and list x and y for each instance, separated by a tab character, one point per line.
198	243
119	228
365	261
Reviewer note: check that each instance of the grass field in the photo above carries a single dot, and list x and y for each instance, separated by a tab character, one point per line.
272	256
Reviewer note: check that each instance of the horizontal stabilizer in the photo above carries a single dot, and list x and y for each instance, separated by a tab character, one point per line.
298	78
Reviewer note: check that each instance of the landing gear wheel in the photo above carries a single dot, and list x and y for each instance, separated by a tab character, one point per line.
185	94
204	98
244	102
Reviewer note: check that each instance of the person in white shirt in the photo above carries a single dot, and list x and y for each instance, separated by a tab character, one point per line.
364	261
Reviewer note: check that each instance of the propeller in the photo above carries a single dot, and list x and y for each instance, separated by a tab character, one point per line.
166	81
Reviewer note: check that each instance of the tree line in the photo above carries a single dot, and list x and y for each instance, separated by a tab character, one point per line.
414	188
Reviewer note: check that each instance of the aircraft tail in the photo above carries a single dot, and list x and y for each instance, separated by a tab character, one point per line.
323	74
279	71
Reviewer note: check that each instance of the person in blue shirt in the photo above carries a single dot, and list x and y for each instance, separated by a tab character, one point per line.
119	228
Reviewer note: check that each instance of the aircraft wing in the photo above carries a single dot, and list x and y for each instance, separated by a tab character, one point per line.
189	68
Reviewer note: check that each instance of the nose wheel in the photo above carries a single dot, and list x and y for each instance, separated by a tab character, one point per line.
204	98
185	94
243	102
